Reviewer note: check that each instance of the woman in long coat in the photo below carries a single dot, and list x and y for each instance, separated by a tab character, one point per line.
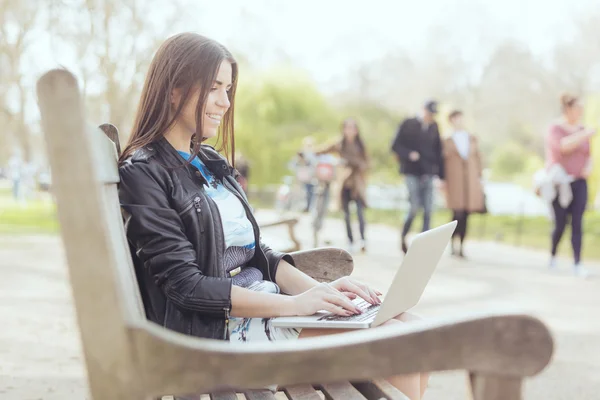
462	178
353	175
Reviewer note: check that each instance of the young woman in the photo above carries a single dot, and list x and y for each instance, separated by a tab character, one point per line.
195	243
355	163
462	178
568	145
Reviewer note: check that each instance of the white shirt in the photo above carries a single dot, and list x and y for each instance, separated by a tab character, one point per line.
237	228
462	142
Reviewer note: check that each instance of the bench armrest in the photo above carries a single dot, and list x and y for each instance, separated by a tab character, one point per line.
324	264
504	345
291	224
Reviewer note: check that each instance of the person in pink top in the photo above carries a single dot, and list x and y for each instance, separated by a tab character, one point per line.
568	144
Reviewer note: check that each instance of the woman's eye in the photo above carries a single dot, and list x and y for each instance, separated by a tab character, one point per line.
213	89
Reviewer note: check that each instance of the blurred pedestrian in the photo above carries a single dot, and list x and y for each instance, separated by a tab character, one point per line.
243	167
418	149
305	165
353	175
15	174
461	179
568	145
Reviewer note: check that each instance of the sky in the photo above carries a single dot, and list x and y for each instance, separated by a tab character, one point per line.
328	38
323	36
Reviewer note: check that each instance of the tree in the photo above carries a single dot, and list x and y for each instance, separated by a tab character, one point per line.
17	21
275	110
113	42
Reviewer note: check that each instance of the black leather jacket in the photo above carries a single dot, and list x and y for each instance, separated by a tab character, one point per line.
176	239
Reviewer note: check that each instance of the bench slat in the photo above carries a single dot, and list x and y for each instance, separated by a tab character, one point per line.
341	391
301	392
490	387
223	396
379	389
259	395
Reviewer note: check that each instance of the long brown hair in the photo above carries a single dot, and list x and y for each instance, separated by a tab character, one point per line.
183	62
567	101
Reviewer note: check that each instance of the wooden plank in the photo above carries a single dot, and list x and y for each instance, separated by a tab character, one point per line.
77	185
379	389
301	392
341	391
283	221
223	396
324	264
112	133
490	387
259	395
515	345
104	155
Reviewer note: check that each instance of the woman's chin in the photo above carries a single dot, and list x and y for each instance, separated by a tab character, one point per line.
209	133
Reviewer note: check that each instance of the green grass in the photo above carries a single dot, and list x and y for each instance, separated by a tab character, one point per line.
39	217
35	217
531	232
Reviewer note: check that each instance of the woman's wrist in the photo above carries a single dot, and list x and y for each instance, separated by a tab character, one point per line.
288	306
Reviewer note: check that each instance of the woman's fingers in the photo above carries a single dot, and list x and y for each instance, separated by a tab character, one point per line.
340	293
372	293
351	286
332	308
342	301
350	295
375	296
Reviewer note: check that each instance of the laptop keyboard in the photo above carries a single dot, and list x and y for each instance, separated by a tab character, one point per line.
368	312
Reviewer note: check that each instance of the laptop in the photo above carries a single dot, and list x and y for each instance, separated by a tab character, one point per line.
421	259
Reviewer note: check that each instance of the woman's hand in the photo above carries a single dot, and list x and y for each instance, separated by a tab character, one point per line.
323	297
352	288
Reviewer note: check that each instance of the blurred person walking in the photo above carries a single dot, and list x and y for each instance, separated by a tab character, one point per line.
15	174
418	149
352	169
461	178
243	167
568	146
305	165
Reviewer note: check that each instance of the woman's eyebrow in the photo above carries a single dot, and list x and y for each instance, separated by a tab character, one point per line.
220	83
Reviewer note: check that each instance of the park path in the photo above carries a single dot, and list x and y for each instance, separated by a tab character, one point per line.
40	353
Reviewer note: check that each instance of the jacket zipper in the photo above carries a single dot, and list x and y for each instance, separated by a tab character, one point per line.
226	332
198	206
187	208
197	203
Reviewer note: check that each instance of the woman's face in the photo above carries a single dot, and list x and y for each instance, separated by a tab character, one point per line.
574	113
458	123
350	129
217	104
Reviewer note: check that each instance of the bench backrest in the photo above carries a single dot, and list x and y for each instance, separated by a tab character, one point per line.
84	183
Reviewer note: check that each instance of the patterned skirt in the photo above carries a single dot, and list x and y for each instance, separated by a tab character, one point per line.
255	329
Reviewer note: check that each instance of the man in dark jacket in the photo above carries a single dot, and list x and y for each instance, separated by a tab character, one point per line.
418	149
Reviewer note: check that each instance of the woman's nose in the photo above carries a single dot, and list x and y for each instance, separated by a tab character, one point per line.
223	100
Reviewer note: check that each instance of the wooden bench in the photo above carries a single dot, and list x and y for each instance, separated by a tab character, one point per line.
128	357
285	243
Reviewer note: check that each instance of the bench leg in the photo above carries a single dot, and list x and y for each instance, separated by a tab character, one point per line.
494	387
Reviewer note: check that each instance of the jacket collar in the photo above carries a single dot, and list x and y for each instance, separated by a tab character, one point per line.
214	161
